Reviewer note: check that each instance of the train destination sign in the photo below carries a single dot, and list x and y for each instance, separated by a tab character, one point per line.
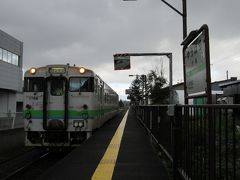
121	62
57	70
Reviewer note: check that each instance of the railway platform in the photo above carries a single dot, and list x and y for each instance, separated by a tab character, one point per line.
119	150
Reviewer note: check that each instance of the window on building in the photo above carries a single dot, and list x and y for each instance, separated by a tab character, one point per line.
4	55
1	54
15	59
9	57
19	107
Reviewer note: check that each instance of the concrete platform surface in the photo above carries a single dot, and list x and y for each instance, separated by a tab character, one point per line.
136	158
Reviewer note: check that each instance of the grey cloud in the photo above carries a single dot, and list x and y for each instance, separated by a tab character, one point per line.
89	32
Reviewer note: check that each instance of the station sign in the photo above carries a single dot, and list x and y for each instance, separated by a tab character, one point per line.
197	79
121	62
195	65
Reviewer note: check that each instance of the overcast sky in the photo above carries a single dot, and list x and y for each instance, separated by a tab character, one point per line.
88	32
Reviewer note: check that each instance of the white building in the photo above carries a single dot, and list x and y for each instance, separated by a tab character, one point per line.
11	58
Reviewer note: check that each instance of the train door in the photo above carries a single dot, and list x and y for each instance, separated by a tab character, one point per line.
99	93
101	101
55	105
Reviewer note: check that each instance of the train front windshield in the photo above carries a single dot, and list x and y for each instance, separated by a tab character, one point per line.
35	84
81	84
76	84
57	87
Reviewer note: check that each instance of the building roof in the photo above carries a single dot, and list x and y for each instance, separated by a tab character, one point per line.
229	83
215	86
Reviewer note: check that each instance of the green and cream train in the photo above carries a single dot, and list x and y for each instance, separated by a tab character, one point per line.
64	104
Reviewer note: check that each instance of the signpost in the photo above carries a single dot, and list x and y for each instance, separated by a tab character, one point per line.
196	65
121	62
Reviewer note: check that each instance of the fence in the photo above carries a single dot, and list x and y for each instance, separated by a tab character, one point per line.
202	142
11	120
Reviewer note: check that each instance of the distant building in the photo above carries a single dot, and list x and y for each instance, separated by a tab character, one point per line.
231	92
217	91
11	59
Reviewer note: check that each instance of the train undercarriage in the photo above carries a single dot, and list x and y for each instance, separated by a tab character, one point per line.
55	138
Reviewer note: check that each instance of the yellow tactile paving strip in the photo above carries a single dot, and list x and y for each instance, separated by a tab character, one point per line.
105	168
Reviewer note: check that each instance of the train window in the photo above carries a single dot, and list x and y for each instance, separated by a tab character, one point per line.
34	84
96	86
106	98
81	84
57	87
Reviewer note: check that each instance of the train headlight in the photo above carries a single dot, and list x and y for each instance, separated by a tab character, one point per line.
82	70
77	123
33	71
81	124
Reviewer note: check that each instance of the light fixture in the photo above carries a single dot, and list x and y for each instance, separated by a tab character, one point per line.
75	124
82	70
78	123
33	70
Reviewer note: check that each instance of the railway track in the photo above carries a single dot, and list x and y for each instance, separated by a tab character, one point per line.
29	165
24	167
8	158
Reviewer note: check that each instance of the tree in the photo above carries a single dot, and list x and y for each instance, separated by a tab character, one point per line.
152	86
136	94
155	87
121	104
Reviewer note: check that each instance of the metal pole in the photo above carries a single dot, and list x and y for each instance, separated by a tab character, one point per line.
184	15
170	79
173	8
145	89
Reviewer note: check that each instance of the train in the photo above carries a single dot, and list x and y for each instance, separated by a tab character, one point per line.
64	105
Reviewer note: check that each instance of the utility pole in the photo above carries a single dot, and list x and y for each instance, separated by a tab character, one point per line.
183	14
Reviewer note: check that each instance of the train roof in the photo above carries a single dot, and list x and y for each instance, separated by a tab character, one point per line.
57	69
